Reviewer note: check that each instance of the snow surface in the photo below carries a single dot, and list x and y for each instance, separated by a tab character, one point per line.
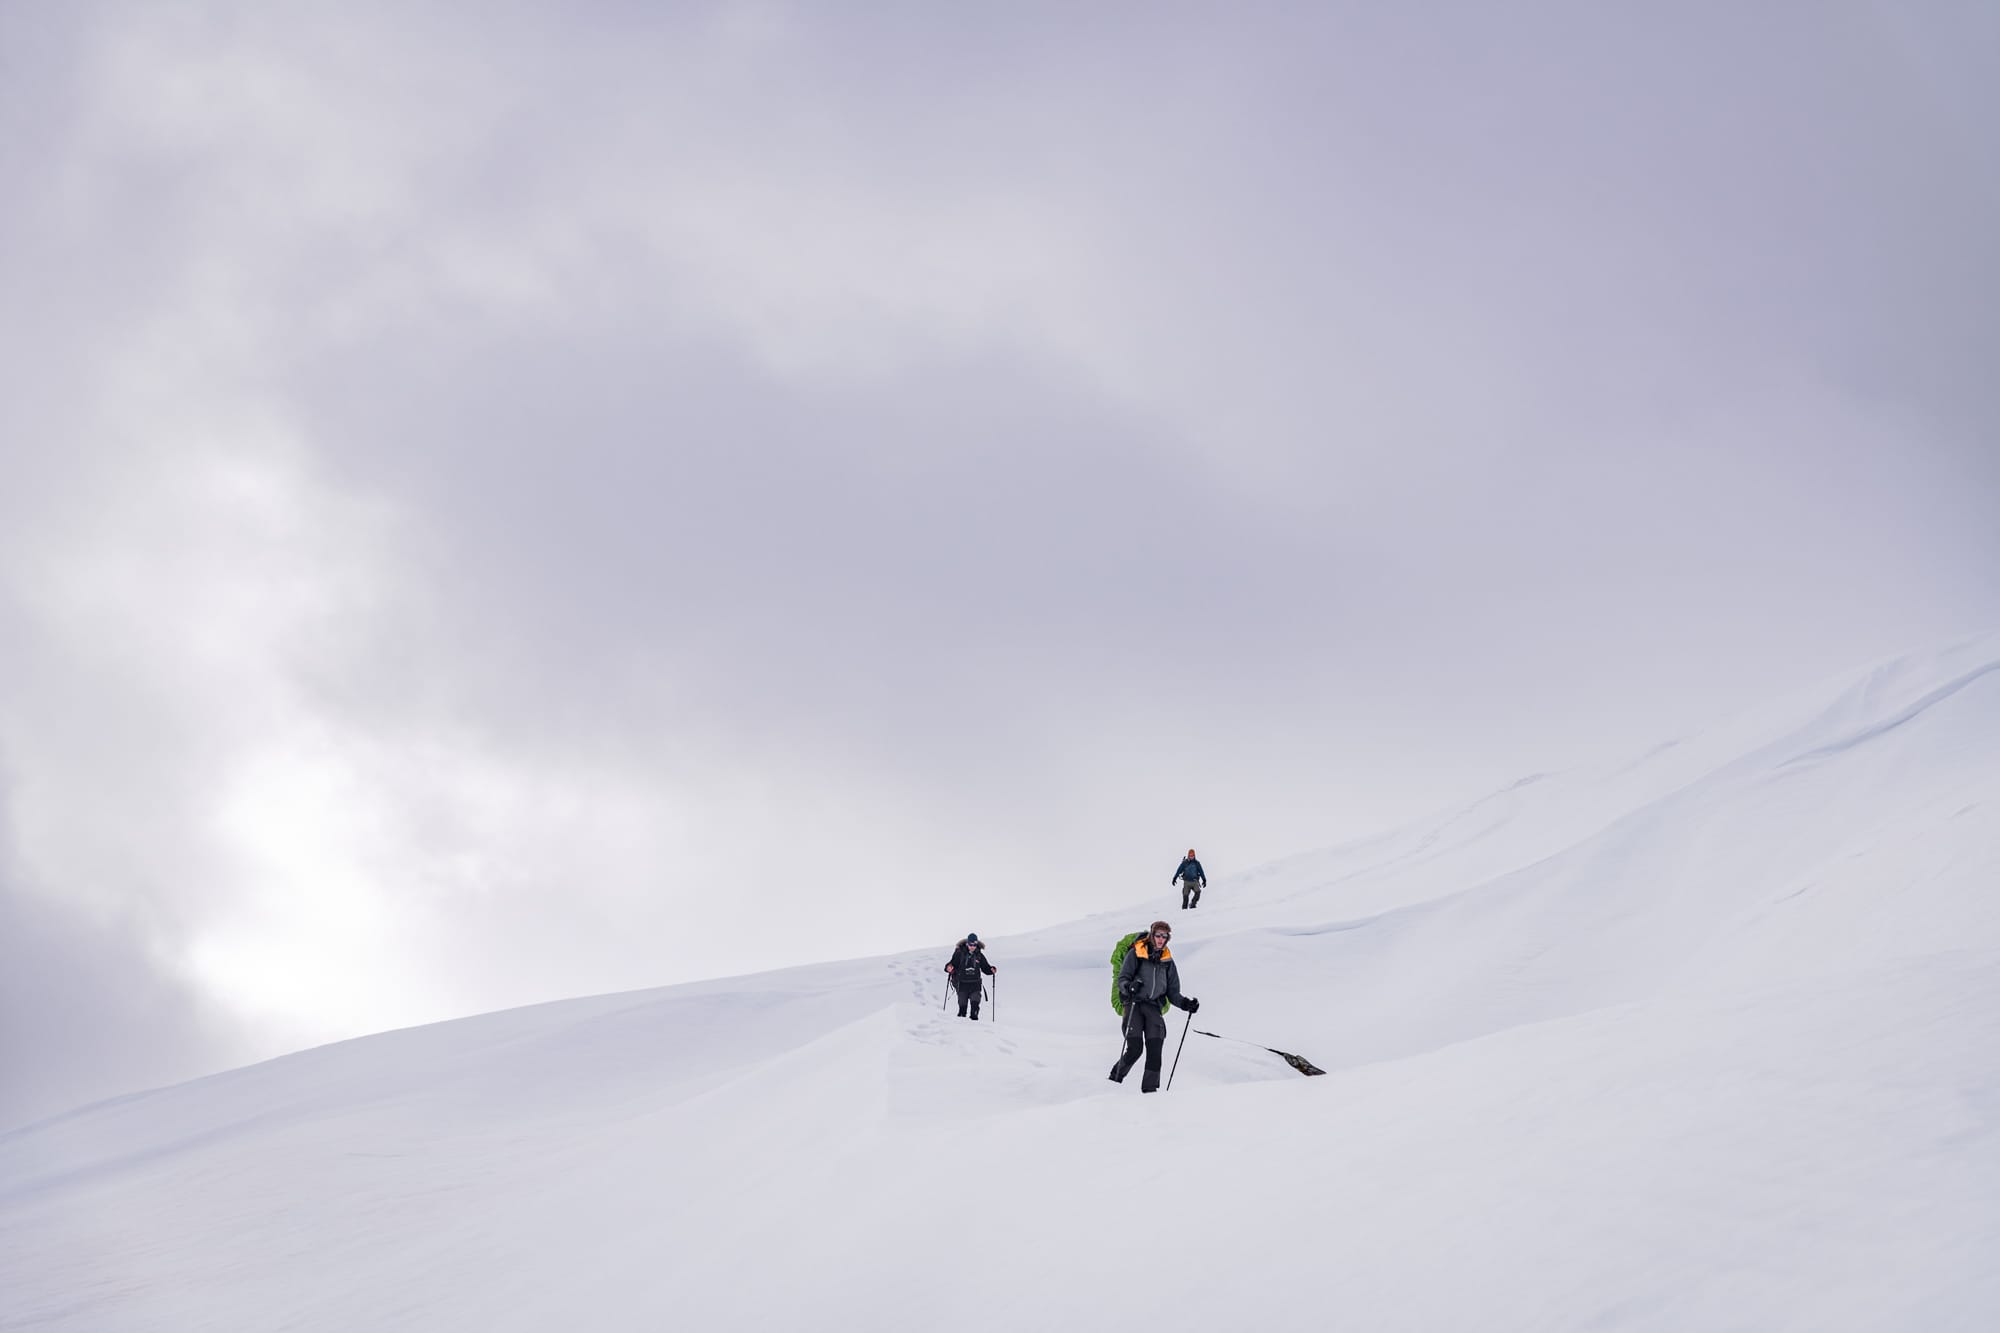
1708	1042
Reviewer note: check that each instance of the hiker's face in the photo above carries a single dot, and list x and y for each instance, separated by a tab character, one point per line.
1161	936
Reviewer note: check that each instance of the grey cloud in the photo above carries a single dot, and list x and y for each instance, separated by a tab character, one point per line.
714	486
88	1009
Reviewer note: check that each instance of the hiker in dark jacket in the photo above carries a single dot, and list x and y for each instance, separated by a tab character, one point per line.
1191	879
968	960
1149	980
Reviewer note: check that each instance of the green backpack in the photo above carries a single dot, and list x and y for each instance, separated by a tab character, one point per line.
1118	952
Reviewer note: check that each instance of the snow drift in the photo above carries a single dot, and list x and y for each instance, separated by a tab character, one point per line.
1710	1041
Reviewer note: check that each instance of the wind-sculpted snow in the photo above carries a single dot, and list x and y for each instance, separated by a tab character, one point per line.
1884	725
1710	1040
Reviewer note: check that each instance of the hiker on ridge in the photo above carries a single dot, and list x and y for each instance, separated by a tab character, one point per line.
1190	877
1147	982
968	960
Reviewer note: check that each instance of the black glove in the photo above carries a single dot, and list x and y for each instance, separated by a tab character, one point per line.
1129	989
1191	1004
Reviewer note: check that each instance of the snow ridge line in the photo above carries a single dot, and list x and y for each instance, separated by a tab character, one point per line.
1889	724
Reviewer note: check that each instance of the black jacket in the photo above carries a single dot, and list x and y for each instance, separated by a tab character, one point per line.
967	962
1190	870
1145	979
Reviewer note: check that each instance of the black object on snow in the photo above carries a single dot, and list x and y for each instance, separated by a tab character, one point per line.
1298	1062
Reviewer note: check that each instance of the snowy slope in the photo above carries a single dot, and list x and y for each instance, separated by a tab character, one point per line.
1706	1042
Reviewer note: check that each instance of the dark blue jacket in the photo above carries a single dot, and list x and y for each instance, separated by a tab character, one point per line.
1190	870
967	962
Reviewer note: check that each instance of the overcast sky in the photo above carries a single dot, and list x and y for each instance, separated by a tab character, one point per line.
607	494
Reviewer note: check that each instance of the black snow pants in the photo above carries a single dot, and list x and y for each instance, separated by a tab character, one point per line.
970	995
1144	1025
1190	893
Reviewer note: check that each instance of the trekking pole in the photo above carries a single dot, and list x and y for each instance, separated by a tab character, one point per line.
996	997
1177	1051
945	1002
1298	1062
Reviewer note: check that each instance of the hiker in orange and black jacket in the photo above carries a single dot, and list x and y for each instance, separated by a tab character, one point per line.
1149	977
